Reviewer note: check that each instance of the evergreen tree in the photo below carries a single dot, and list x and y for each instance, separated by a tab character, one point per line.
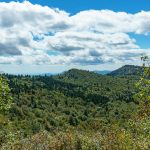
5	98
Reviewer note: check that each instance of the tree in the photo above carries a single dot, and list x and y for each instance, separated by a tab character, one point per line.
143	85
5	98
73	121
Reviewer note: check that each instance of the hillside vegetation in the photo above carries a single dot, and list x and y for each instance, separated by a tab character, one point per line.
127	70
76	110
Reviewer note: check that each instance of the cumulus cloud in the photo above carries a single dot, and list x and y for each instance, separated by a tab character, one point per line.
35	34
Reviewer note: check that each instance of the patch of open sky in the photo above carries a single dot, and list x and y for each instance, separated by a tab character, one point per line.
37	37
40	37
49	34
143	41
75	6
53	53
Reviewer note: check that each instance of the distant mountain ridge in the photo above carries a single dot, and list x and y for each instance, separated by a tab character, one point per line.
122	71
127	70
103	72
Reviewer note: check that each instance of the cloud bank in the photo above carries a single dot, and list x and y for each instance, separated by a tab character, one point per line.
34	34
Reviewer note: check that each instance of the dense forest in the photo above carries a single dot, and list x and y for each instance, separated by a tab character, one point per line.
76	110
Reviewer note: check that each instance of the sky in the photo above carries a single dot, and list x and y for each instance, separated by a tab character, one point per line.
51	36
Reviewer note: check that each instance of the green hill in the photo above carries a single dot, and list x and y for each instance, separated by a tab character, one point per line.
127	70
73	98
78	101
95	87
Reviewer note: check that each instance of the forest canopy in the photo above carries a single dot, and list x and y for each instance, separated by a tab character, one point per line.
76	110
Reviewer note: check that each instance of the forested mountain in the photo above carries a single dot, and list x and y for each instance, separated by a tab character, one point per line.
76	100
72	98
127	70
97	88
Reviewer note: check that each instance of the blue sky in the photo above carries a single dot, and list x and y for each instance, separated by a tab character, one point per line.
131	6
84	34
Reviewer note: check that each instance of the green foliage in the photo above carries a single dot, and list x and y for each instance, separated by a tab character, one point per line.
127	70
73	99
78	110
73	120
143	86
5	98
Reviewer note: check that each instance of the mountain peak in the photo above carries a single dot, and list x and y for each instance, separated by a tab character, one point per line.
127	70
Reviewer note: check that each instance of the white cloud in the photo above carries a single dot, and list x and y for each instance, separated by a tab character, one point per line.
33	34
